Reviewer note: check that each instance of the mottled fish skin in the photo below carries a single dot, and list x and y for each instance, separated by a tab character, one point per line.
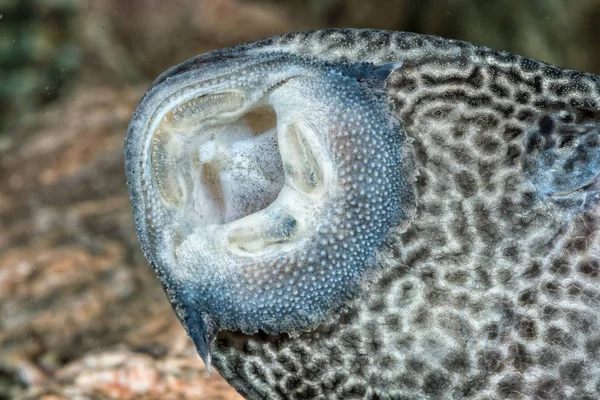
491	288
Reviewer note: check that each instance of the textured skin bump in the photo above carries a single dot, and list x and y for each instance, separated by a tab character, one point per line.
492	290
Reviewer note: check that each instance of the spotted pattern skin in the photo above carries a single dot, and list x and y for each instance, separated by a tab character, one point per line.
493	290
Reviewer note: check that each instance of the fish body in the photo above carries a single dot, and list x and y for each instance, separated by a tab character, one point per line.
432	231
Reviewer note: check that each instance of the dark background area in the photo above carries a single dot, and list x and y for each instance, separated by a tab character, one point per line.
49	46
81	314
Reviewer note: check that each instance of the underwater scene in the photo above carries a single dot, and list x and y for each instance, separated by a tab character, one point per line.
268	199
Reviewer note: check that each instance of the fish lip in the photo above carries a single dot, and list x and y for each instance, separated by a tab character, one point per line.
209	59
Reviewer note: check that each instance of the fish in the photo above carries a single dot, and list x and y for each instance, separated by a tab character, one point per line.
356	213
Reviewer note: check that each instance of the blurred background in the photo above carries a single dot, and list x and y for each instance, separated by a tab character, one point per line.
81	313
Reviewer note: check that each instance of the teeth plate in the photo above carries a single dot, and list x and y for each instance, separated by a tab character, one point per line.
166	152
299	161
171	140
274	229
191	114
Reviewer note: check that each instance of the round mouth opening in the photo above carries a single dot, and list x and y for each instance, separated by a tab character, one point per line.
217	170
250	171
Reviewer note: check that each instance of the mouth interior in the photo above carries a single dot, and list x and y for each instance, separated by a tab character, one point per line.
217	166
239	170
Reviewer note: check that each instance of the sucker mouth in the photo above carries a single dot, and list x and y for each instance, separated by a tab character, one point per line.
263	188
217	162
